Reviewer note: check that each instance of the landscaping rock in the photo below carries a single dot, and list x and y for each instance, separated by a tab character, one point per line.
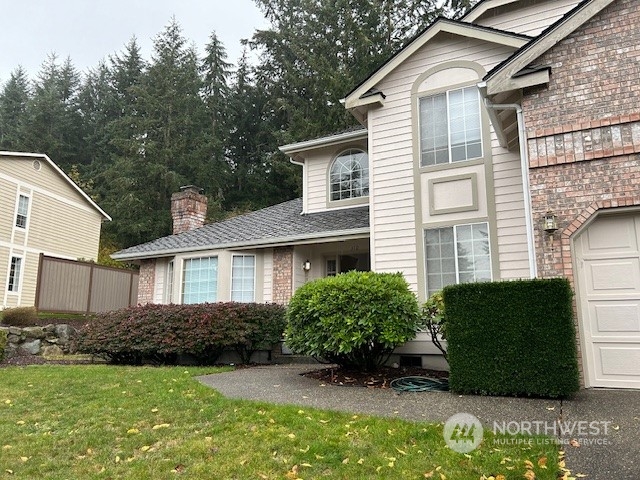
64	332
34	332
15	331
52	351
32	348
51	328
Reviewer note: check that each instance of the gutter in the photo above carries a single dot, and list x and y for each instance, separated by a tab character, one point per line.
265	242
294	148
524	164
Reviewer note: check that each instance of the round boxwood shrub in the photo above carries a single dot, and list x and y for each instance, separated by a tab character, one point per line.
355	319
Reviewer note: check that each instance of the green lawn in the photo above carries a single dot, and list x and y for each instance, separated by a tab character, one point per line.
105	422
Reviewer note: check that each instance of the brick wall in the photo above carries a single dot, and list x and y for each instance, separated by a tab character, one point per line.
583	130
188	209
282	274
146	281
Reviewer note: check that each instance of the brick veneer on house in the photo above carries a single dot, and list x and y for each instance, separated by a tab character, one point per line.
188	209
583	130
282	274
146	281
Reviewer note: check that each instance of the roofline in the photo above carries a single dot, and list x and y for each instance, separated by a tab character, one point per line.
293	148
60	172
265	242
439	25
500	77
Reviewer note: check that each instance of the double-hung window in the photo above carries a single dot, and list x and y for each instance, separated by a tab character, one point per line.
23	210
450	127
14	274
458	254
243	278
200	280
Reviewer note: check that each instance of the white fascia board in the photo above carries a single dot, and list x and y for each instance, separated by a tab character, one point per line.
340	235
440	26
293	148
62	174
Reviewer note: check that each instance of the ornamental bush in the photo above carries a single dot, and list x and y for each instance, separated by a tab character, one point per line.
20	316
354	319
161	333
434	321
3	343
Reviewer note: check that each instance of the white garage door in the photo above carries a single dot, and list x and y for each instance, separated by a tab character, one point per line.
608	281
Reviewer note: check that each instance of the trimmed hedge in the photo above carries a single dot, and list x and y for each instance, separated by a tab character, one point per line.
512	338
161	333
354	319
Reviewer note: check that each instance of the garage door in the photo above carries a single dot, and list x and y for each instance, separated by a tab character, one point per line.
608	281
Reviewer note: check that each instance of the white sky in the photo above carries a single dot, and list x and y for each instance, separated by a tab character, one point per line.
90	30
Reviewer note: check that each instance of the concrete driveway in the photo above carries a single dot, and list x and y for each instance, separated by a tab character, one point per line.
613	452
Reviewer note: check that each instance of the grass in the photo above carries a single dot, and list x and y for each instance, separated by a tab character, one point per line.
105	422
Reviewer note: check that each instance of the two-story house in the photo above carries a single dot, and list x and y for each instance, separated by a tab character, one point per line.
500	146
43	212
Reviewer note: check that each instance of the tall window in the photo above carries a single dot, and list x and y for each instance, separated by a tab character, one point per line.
23	209
14	274
200	280
168	285
458	254
243	278
349	176
450	129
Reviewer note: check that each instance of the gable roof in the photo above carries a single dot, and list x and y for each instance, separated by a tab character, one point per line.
500	78
440	25
482	7
59	171
276	225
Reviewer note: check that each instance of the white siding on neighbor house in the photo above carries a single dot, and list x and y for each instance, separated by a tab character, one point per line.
267	256
530	19
391	155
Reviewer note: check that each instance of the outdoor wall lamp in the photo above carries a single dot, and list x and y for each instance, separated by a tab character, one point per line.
306	265
550	223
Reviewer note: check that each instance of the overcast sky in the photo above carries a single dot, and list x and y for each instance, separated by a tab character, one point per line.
91	30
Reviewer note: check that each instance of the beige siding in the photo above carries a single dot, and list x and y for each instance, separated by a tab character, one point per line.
267	258
60	222
160	281
393	214
530	19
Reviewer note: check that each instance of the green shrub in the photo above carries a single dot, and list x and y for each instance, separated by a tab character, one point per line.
355	319
20	316
3	343
161	333
433	319
512	338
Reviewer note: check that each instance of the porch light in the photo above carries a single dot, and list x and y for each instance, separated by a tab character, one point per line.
550	223
306	265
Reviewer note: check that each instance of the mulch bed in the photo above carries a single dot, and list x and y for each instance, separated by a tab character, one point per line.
378	379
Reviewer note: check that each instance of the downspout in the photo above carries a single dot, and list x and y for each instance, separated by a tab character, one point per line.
524	162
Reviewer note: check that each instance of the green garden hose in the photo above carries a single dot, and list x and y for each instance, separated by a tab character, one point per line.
420	384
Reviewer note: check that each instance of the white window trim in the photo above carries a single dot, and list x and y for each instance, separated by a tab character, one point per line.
169	281
255	275
351	199
27	216
182	278
17	292
450	161
455	250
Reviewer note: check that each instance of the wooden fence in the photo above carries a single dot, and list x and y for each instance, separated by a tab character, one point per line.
68	286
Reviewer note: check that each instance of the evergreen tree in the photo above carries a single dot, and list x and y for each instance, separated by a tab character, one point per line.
13	107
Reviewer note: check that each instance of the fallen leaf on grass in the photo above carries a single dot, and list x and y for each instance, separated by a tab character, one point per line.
361	461
145	448
542	462
159	426
530	475
528	464
429	474
401	452
24	459
345	461
133	431
178	468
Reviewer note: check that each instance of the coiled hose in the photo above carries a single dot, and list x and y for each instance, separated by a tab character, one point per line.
419	384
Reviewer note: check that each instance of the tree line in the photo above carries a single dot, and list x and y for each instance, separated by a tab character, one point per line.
131	131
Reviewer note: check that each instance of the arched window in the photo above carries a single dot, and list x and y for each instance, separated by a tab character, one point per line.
349	176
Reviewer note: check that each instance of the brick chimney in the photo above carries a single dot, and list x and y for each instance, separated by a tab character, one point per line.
188	209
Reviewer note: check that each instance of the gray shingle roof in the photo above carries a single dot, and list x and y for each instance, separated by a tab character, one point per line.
272	225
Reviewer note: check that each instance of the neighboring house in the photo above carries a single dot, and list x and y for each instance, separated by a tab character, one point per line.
43	212
472	134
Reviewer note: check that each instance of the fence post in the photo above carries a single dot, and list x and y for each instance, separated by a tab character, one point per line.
91	267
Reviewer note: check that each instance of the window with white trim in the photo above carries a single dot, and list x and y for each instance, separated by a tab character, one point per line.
349	175
168	284
458	254
200	280
450	127
22	211
243	278
14	274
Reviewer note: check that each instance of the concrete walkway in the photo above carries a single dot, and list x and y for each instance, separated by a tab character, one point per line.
614	453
